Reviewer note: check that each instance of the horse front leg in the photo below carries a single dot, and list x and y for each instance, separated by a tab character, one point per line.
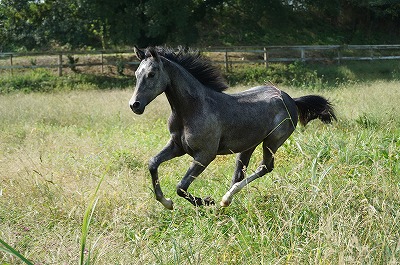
194	170
171	150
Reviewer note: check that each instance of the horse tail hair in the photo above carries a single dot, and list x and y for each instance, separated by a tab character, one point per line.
312	107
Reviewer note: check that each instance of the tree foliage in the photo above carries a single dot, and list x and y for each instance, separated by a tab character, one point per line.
71	24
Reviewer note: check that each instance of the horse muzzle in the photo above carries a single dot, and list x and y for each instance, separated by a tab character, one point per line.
137	107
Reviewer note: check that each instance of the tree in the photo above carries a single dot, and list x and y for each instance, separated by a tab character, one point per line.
146	22
33	24
242	21
15	24
113	22
39	24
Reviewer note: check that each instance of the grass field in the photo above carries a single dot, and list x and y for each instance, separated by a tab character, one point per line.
333	198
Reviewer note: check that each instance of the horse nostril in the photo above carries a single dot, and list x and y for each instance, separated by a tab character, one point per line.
135	105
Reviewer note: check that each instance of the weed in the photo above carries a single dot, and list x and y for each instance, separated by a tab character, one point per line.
367	121
87	218
120	67
72	62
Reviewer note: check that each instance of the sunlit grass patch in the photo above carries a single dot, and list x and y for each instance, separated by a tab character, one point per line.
333	196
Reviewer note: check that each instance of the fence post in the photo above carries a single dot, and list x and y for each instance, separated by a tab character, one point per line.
266	57
339	54
226	60
11	63
371	52
303	55
60	66
102	62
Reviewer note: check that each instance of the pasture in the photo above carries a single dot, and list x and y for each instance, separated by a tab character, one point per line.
333	197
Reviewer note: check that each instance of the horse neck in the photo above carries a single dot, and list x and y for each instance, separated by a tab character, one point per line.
184	92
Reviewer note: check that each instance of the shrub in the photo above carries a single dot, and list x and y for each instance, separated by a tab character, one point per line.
296	74
41	80
36	80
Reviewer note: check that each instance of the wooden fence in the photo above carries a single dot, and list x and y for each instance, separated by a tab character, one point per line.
221	55
63	60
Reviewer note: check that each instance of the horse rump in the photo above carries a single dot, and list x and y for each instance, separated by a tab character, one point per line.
312	107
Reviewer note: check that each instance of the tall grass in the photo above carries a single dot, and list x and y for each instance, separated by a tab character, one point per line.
85	254
332	198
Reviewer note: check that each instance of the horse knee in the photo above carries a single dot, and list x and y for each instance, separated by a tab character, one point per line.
153	165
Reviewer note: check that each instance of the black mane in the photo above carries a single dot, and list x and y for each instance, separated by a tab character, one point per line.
196	64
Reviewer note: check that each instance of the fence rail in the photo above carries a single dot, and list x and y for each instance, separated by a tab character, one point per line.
59	60
221	55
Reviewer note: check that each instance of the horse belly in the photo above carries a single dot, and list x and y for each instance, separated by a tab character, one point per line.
252	126
241	139
233	149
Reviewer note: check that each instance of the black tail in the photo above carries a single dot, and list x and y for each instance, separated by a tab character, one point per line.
313	107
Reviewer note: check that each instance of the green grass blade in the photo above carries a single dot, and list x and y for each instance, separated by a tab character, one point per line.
8	249
86	222
85	230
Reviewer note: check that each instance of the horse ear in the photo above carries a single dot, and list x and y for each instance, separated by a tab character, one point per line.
153	53
139	53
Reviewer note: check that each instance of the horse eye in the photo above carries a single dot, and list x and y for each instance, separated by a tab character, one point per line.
151	74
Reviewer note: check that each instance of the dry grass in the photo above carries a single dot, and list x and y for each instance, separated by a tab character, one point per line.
332	198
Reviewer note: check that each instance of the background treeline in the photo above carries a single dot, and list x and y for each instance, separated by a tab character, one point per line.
73	24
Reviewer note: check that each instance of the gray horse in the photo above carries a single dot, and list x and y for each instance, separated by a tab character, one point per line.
205	122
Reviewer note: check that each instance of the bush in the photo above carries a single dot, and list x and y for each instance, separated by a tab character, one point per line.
41	80
31	81
296	74
314	75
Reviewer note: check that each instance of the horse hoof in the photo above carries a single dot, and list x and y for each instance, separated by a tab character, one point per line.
225	202
208	201
168	203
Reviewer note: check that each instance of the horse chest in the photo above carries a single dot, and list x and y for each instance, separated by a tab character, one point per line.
178	133
194	136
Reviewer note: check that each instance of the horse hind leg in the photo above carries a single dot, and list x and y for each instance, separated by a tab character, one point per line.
266	166
242	162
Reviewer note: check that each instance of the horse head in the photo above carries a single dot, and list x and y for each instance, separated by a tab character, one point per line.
151	79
